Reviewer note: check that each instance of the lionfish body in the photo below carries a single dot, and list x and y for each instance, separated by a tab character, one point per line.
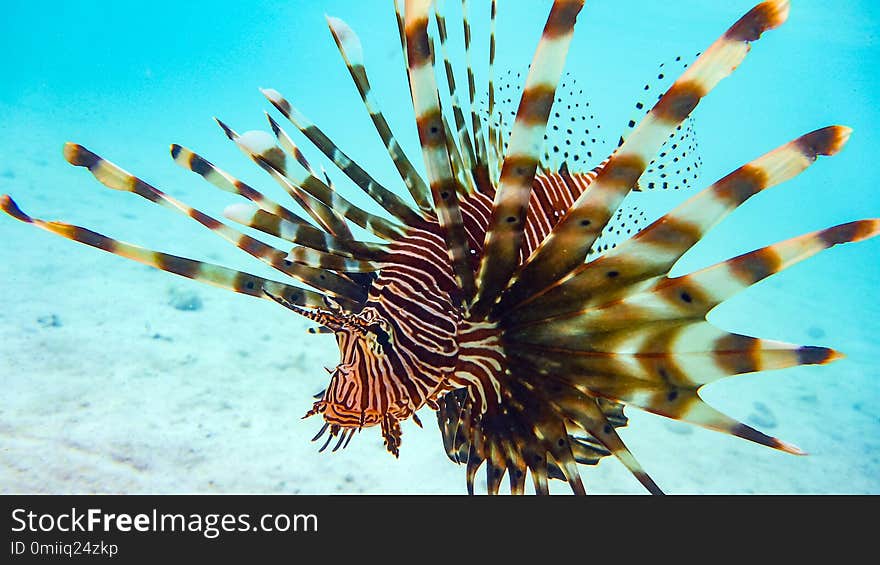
484	298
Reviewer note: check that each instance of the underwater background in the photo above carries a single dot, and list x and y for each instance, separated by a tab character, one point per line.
119	378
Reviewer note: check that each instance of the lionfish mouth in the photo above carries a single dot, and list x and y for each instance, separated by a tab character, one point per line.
514	290
341	421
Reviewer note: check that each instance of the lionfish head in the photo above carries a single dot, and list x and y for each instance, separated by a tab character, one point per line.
366	345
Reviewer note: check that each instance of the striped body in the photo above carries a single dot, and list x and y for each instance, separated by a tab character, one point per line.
427	346
487	293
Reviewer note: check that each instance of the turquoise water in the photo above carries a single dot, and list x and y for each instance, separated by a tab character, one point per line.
110	387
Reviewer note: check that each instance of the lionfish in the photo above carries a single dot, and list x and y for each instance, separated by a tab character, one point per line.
483	296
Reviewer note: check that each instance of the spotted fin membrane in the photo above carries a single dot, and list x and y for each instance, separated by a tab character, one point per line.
575	138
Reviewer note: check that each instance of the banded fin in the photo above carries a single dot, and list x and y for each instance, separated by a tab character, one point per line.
667	393
389	201
325	216
465	182
504	234
699	292
687	406
114	177
302	233
654	250
586	414
493	135
671	354
584	221
654	350
352	53
287	143
467	156
540	431
481	166
659	246
432	136
300	183
401	30
680	300
330	261
224	181
260	147
208	273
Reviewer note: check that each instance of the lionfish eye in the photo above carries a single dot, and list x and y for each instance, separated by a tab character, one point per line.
382	337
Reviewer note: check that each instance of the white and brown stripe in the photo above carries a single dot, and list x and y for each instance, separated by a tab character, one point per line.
224	181
432	136
208	273
352	53
302	184
113	177
387	199
583	222
505	233
303	233
326	217
654	250
467	156
481	165
388	373
481	363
